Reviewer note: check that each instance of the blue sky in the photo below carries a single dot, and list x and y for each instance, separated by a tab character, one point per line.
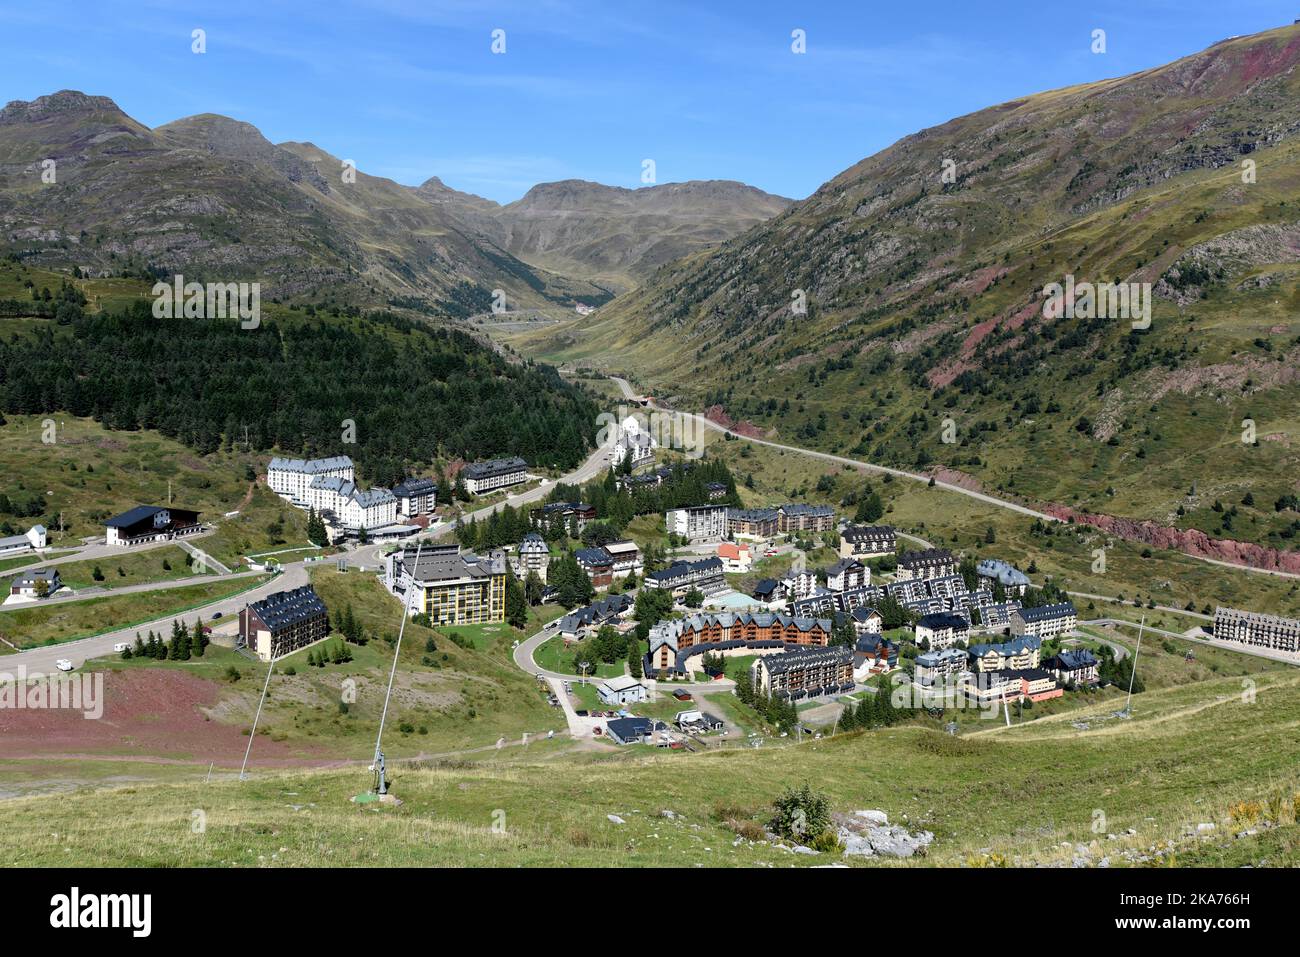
411	88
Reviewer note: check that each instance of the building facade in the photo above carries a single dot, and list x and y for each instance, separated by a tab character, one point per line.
681	577
804	673
698	523
532	555
290	478
416	496
284	622
867	541
755	524
1045	621
1259	631
929	563
450	586
483	477
151	523
805	518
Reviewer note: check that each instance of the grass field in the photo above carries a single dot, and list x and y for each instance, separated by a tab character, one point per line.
553	656
88	474
49	624
1015	795
22	561
129	568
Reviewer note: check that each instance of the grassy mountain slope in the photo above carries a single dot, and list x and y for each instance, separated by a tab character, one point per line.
619	237
1012	795
924	300
211	198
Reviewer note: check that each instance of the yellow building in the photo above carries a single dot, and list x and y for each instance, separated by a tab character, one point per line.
452	587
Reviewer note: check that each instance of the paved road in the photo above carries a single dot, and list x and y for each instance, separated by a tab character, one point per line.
1268	653
88	552
41	660
65	596
1110	599
629	393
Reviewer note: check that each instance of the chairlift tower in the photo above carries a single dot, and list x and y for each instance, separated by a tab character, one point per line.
381	778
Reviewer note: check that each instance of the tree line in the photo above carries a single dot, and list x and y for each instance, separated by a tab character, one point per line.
415	393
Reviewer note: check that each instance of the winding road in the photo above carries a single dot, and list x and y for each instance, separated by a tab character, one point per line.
630	393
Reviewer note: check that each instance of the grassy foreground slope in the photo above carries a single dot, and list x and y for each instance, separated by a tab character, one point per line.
1189	755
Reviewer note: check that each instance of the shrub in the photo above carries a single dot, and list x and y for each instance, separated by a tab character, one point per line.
827	842
800	812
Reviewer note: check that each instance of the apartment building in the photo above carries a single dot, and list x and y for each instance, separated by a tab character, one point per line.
937	667
673	640
290	478
1014	582
1016	654
929	563
847	574
451	586
598	564
1076	668
681	577
626	556
804	673
608	611
942	629
1045	621
415	497
867	541
342	503
284	622
805	518
483	477
531	555
1259	631
698	523
756	524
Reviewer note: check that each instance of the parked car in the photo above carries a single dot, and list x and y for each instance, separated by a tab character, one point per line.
63	664
216	615
121	646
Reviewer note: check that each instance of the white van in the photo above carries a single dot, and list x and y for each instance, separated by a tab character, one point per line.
121	646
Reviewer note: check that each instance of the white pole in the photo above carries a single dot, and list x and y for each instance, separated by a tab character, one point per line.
247	751
1128	705
406	613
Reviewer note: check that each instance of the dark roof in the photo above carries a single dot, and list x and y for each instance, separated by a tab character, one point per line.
1075	660
594	556
627	728
943	619
868	531
1047	612
142	513
804	656
415	486
679	569
765	586
480	470
928	556
285	608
